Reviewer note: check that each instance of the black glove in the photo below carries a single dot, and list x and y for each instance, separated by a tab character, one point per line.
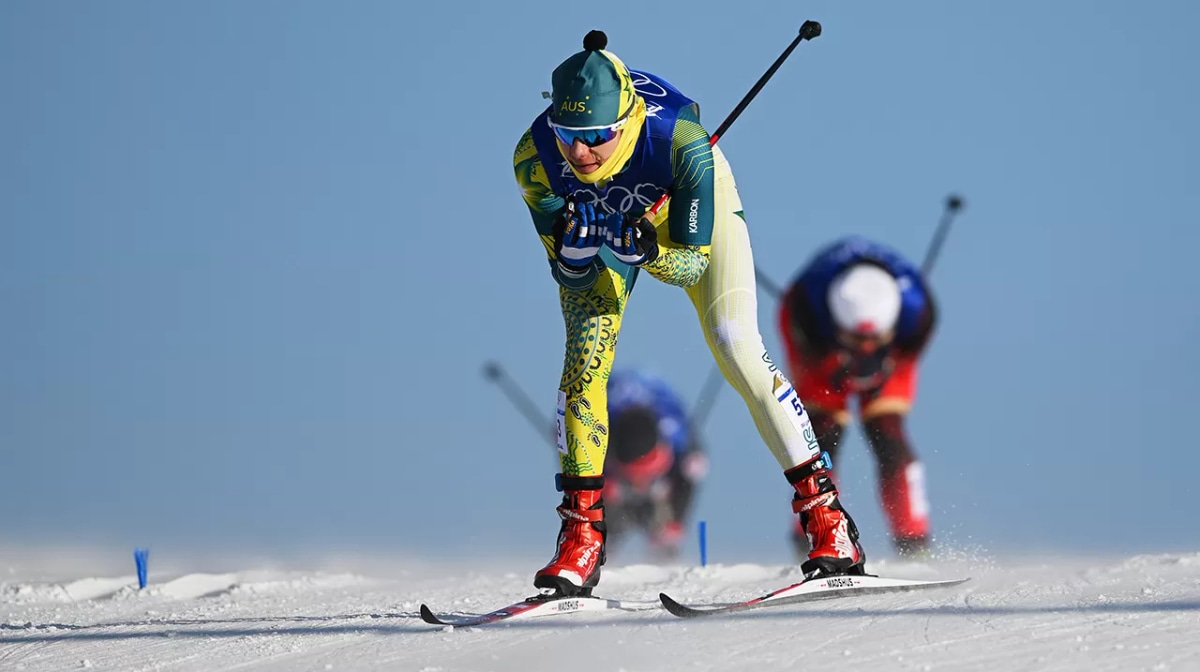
633	241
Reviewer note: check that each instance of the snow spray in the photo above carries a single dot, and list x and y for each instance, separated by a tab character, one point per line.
140	557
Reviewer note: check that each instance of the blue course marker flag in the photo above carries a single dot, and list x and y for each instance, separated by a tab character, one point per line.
140	558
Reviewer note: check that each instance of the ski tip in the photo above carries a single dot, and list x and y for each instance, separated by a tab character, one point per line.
944	582
428	616
675	608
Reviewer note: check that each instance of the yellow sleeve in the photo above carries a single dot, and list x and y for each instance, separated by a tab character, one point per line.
546	208
677	263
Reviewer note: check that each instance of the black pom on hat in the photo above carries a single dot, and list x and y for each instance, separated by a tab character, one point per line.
595	40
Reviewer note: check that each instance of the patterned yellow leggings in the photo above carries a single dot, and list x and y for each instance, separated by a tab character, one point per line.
727	305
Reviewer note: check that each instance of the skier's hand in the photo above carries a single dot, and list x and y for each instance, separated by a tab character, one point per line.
633	241
860	372
579	234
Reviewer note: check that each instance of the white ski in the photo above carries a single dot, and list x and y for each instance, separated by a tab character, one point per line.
813	589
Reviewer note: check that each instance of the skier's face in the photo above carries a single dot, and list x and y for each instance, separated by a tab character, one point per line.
863	343
587	159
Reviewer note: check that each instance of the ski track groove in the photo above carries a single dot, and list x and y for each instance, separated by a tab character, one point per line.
1102	618
15	653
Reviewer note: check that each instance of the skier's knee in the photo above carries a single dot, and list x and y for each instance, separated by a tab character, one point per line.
734	341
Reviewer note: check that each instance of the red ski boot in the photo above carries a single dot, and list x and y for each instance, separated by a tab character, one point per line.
575	569
831	532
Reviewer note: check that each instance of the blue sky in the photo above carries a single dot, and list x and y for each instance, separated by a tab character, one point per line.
254	255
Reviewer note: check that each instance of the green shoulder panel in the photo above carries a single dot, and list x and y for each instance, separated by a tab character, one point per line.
693	195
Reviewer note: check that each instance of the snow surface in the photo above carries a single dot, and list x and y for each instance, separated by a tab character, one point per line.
1138	613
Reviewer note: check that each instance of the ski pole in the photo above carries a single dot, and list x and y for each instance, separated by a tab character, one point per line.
808	30
767	284
954	203
521	401
707	396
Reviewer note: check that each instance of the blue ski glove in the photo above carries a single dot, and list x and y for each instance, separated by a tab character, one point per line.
579	235
633	241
